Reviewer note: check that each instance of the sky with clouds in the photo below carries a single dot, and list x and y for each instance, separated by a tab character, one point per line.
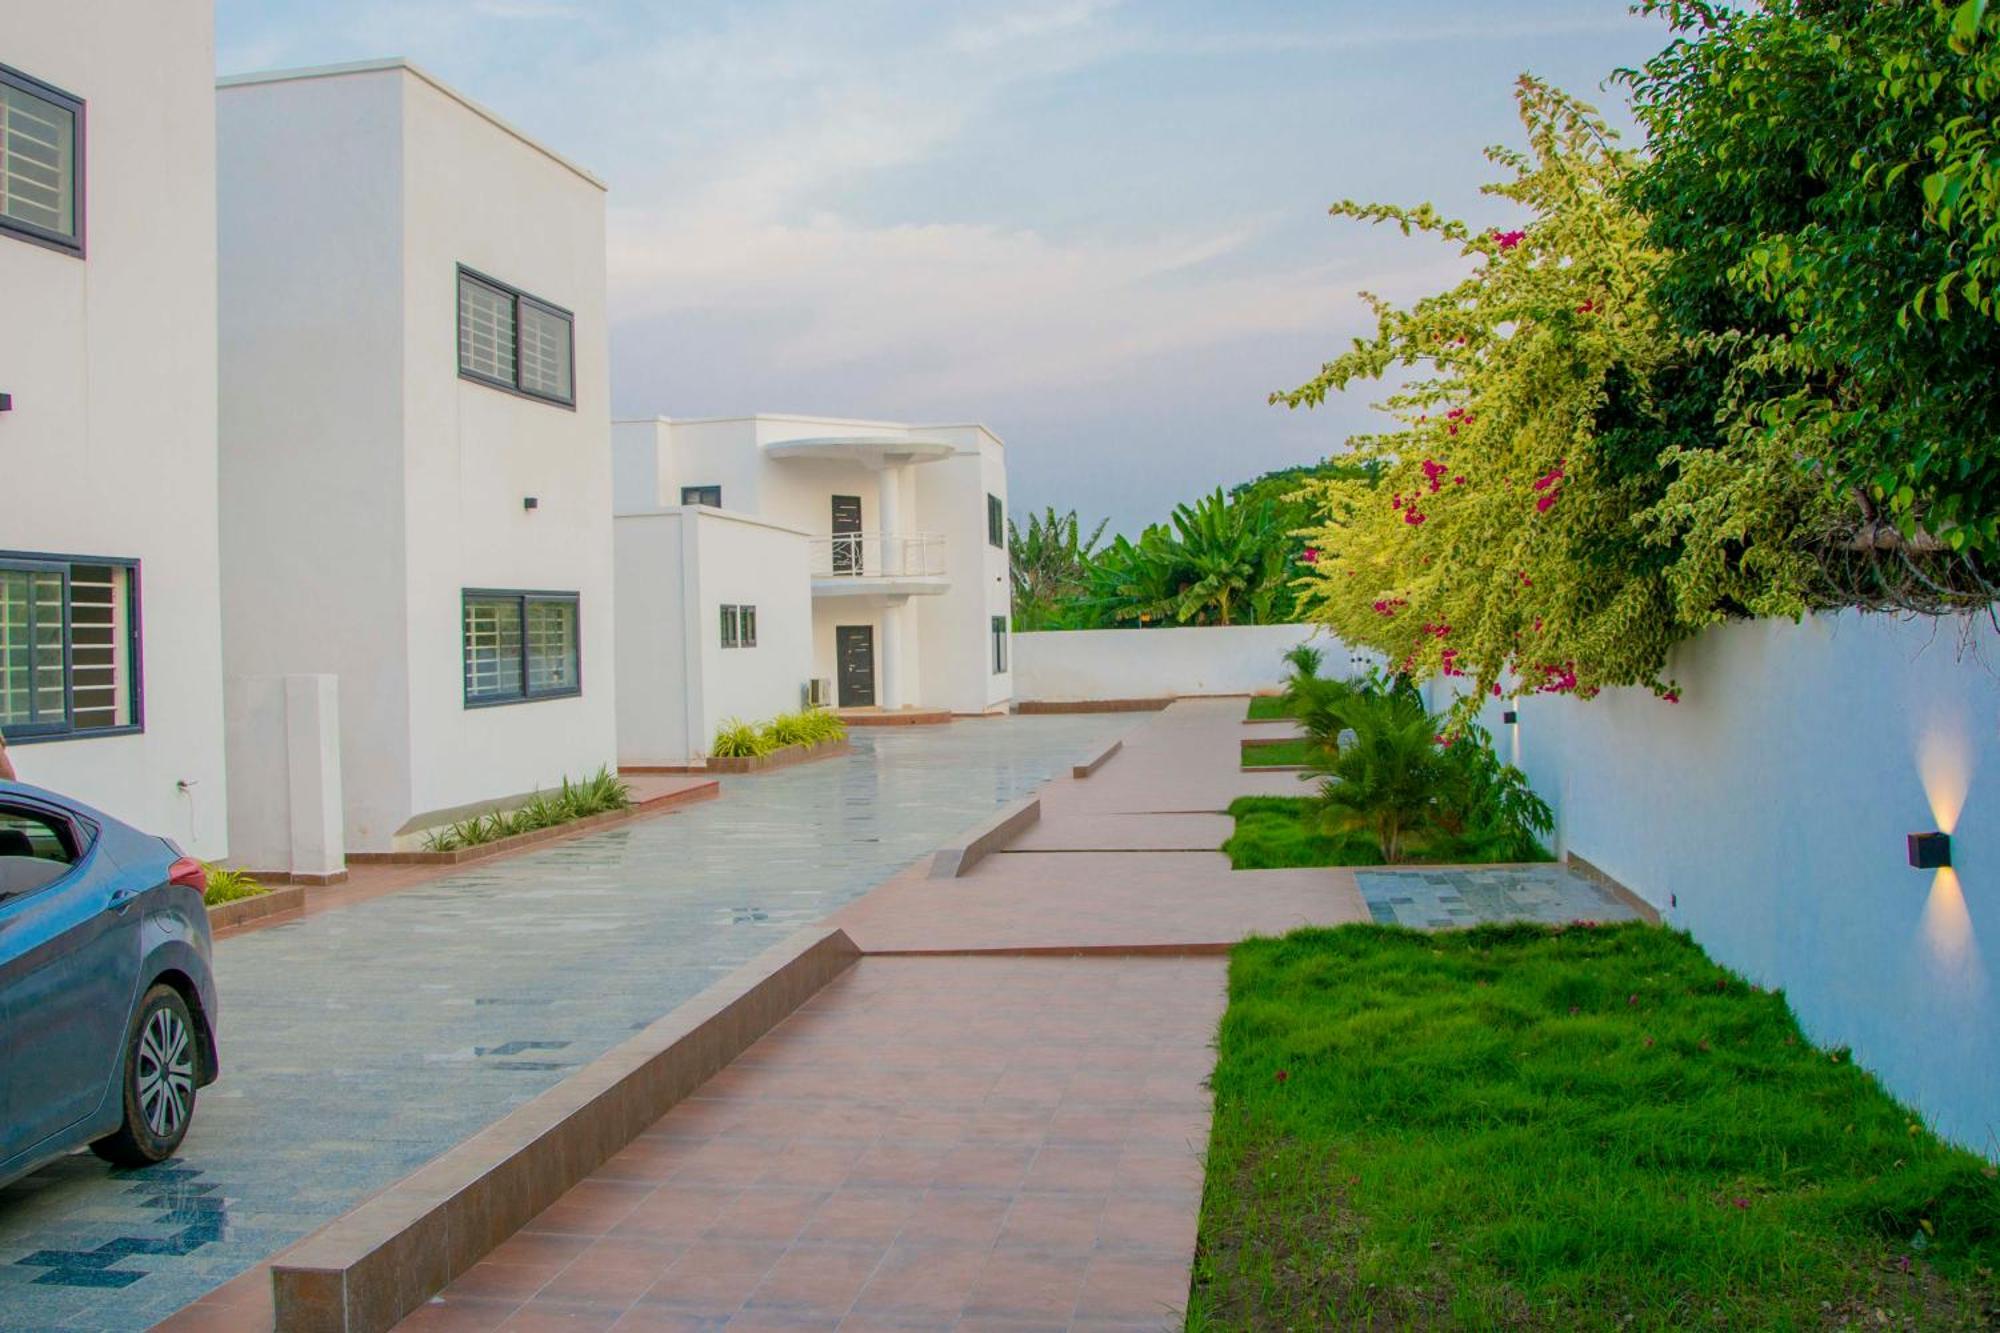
1098	227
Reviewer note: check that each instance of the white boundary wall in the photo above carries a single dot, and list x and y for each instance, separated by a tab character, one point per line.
1766	813
1079	664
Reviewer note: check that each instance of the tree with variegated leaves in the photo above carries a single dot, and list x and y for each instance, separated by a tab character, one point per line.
1523	533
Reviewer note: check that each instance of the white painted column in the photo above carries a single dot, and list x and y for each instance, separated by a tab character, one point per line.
889	652
889	517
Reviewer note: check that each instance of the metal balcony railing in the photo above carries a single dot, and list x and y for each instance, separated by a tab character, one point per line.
878	555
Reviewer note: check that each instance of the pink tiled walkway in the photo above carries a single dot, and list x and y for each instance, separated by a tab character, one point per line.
928	1143
978	1140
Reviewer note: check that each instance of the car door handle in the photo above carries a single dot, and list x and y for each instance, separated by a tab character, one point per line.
122	899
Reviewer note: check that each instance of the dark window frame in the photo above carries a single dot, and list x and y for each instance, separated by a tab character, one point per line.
517	296
699	491
522	596
996	521
737	624
28	231
134	649
999	632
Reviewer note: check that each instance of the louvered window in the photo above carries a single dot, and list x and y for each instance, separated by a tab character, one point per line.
520	646
69	637
41	154
515	341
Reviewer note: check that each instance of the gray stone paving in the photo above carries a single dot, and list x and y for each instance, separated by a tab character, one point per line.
360	1043
1428	898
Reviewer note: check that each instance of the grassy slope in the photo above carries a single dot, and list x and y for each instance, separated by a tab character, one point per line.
1268	708
1524	1129
1297	751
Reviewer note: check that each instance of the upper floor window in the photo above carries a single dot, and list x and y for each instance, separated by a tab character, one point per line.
515	341
69	646
520	646
41	162
996	522
702	495
739	626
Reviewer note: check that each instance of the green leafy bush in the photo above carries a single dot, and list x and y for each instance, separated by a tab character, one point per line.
737	739
813	726
226	886
602	792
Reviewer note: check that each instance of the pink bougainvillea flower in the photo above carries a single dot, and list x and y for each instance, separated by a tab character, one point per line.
1522	575
1412	517
1310	555
1586	307
1496	689
1547	502
1458	481
1507	240
1672	696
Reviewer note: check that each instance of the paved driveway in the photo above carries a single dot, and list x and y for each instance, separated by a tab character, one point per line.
360	1043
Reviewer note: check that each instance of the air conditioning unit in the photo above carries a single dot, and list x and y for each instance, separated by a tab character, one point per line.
819	692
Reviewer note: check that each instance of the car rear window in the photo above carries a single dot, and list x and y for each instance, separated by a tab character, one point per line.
35	849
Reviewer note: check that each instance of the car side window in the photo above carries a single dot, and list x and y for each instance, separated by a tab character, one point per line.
36	849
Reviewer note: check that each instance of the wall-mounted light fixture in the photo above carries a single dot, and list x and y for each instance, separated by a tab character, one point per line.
530	502
1930	851
6	402
1509	717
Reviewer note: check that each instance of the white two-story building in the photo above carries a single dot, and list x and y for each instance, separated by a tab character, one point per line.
415	455
110	646
871	556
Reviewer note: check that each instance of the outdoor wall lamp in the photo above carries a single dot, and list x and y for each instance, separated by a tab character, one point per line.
1930	851
530	502
6	402
1509	717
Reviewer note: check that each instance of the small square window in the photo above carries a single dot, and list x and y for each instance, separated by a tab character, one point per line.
996	522
702	495
41	162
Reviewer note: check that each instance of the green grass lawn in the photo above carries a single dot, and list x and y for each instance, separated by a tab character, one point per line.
1268	708
1524	1128
1271	833
1285	752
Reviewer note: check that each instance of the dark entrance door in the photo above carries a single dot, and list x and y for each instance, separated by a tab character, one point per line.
854	646
847	534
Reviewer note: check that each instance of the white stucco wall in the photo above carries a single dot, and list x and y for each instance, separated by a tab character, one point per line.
1766	813
1063	665
676	569
367	485
109	450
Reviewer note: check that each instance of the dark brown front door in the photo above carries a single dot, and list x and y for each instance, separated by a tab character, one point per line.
847	534
854	645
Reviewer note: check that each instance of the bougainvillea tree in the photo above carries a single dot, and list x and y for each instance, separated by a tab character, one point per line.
1524	533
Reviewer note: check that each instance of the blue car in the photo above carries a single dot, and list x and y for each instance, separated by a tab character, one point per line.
107	1001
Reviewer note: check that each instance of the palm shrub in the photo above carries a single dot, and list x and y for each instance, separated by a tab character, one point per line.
1385	781
1305	659
600	793
226	886
1388	769
737	739
811	726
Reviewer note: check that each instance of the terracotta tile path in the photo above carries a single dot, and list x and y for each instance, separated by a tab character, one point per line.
992	1141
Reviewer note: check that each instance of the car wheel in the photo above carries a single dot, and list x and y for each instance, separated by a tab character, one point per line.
158	1083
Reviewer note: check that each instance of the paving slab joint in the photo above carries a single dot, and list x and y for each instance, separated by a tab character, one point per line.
367	1269
987	836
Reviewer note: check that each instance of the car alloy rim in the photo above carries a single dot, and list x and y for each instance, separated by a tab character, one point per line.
166	1073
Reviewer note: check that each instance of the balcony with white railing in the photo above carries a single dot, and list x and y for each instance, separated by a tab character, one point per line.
893	563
